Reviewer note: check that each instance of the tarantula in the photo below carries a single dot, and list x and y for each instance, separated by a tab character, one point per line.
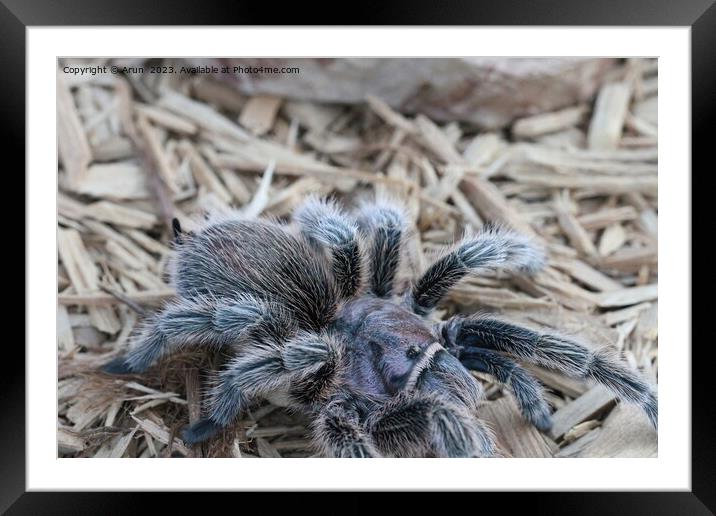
312	317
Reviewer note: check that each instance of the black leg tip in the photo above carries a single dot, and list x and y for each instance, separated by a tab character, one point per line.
200	431
117	366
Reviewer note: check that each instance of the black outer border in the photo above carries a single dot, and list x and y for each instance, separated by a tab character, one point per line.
16	15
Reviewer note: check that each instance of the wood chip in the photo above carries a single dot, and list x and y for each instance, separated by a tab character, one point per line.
65	335
594	184
515	436
203	173
613	237
482	149
102	299
115	181
492	205
201	114
72	144
83	275
120	215
69	441
161	434
605	128
158	154
603	218
586	274
123	443
167	119
625	433
544	123
628	296
630	259
259	113
625	314
316	117
577	235
218	94
390	116
589	405
266	449
435	140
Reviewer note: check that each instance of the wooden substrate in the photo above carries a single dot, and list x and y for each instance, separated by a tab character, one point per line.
132	154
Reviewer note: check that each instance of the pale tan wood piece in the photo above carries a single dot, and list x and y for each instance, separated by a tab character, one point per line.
515	437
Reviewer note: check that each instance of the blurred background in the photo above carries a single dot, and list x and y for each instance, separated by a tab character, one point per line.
562	149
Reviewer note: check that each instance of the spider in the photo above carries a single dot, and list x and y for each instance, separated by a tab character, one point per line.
312	318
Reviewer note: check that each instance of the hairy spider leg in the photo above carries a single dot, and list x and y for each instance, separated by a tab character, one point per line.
338	431
302	365
416	424
491	249
201	321
554	352
527	390
325	224
383	224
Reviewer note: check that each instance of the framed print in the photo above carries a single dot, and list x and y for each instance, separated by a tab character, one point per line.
450	250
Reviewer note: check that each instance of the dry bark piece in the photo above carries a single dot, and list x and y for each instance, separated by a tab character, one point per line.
606	217
515	436
203	173
122	444
573	162
73	147
625	314
628	296
613	237
65	335
544	123
482	149
316	117
630	259
586	274
123	180
265	449
83	275
167	119
259	113
577	235
492	205
120	215
595	184
159	156
605	128
576	448
69	441
390	116
115	148
218	94
161	434
625	433
592	403
101	299
203	115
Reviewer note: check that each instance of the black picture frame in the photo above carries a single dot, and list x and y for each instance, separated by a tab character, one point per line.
17	15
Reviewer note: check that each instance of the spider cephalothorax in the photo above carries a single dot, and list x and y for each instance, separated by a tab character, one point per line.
311	316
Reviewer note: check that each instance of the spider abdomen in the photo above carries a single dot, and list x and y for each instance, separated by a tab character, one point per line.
260	258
